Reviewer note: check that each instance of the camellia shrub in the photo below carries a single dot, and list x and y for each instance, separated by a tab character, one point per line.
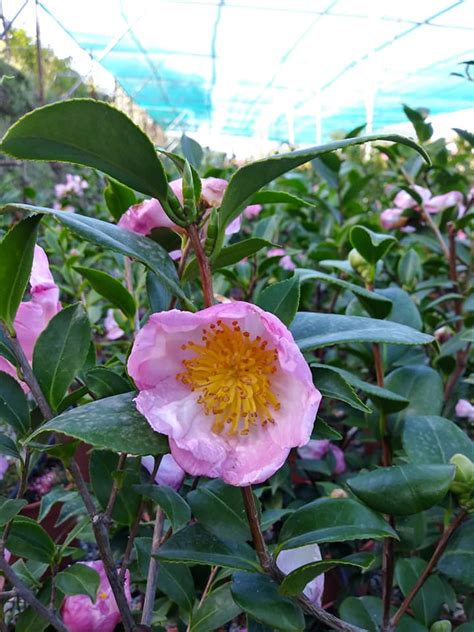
237	398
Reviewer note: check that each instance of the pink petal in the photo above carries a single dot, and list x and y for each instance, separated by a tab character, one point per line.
169	472
112	329
291	559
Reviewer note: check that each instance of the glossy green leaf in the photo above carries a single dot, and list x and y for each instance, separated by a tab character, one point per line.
258	595
118	197
79	579
110	288
220	508
192	151
281	299
457	561
90	133
28	539
421	385
366	612
176	582
104	382
247	180
332	385
376	305
175	507
332	520
195	545
112	423
431	439
9	507
322	430
16	259
403	489
60	352
312	331
13	404
116	239
372	246
8	447
295	582
218	609
159	296
279	197
428	602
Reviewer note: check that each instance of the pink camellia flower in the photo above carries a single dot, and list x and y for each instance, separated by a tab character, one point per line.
226	385
169	472
393	218
285	262
253	211
465	409
112	329
404	200
291	559
440	203
81	615
318	448
33	316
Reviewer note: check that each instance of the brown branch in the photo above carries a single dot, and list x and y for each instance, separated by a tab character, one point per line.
428	219
114	491
461	361
429	567
203	263
152	576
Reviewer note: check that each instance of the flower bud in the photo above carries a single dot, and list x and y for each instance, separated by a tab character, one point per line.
360	265
464	469
441	626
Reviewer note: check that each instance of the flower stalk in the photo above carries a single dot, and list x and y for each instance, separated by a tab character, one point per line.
203	263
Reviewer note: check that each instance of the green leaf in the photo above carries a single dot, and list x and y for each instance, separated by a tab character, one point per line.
175	507
116	239
104	382
431	439
279	197
247	180
60	352
159	295
228	256
8	447
334	386
56	495
195	545
295	582
312	331
118	198
322	430
176	582
376	305
421	385
192	151
366	612
332	520
258	595
16	259
29	620
110	288
457	562
403	489
28	539
90	133
9	507
465	135
112	423
427	603
13	404
79	579
281	299
372	246
217	610
220	509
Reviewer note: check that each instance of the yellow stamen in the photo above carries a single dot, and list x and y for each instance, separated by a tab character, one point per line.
232	373
102	595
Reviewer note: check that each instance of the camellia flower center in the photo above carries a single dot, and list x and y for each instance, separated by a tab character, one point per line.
232	373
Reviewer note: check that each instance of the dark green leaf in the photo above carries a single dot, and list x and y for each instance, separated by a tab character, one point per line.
403	489
56	495
60	352
312	331
192	151
334	386
431	439
112	423
90	133
421	385
279	197
9	507
332	520
111	289
28	539
427	603
366	612
159	295
372	246
106	383
16	258
323	431
196	545
175	507
375	305
457	562
118	198
29	620
465	135
176	582
8	447
281	299
258	595
13	404
217	609
79	579
295	582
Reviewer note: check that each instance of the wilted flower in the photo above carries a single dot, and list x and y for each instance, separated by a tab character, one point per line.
169	472
33	316
318	449
112	329
81	615
226	385
291	559
465	409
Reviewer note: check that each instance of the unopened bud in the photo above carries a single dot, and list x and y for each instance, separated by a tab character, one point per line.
360	265
464	469
441	626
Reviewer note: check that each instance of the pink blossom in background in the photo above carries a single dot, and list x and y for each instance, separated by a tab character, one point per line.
169	472
291	559
79	614
393	218
440	203
112	329
74	185
404	200
285	262
33	316
224	384
253	211
4	464
318	448
465	409
7	555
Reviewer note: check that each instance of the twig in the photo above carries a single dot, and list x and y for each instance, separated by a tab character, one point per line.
453	274
428	219
181	265
429	567
207	588
130	288
152	576
203	263
114	491
25	593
